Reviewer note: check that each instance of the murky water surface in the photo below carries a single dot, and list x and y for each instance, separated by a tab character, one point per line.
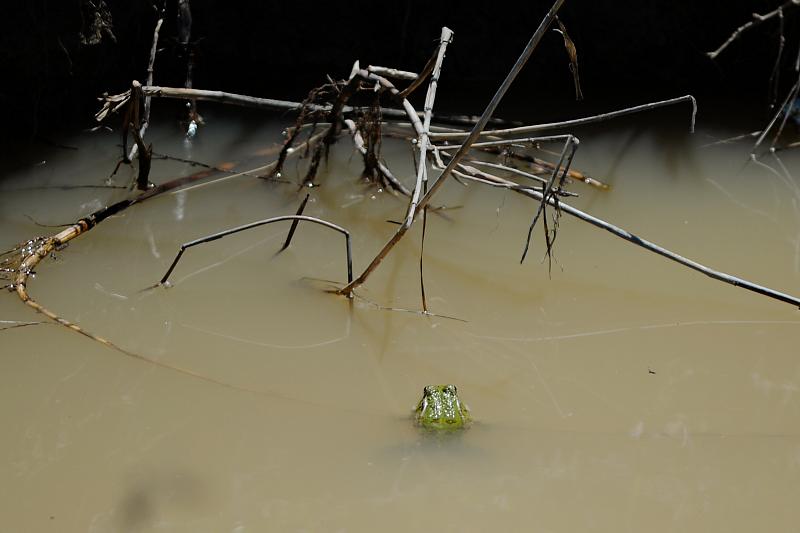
620	393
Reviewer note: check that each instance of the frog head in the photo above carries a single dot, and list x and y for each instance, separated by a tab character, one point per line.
440	409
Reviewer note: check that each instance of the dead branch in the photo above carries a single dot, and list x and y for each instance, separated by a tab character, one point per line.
147	99
306	110
113	103
392	73
422	136
335	114
387	174
463	149
757	20
136	127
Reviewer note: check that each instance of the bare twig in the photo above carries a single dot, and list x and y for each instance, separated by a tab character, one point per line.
775	77
757	19
295	222
781	112
219	235
150	70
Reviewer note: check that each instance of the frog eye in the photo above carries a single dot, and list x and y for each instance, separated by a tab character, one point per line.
451	389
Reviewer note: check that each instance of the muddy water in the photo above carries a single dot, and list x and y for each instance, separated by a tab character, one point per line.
620	393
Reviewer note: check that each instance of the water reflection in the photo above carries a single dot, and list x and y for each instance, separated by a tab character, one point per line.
621	392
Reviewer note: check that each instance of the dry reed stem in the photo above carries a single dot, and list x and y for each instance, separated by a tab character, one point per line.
421	186
539	165
782	112
422	137
578	121
638	241
469	173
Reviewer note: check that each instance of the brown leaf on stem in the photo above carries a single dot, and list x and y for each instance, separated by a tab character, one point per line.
572	52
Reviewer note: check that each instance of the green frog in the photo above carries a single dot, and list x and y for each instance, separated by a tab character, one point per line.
441	410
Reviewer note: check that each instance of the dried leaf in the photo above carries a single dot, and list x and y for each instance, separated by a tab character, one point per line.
572	52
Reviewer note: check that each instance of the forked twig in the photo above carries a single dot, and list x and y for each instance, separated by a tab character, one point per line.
757	19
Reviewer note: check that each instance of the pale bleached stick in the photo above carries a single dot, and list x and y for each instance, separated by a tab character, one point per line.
421	185
146	119
392	73
422	138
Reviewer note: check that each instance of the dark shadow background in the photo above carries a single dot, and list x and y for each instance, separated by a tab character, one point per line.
630	52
